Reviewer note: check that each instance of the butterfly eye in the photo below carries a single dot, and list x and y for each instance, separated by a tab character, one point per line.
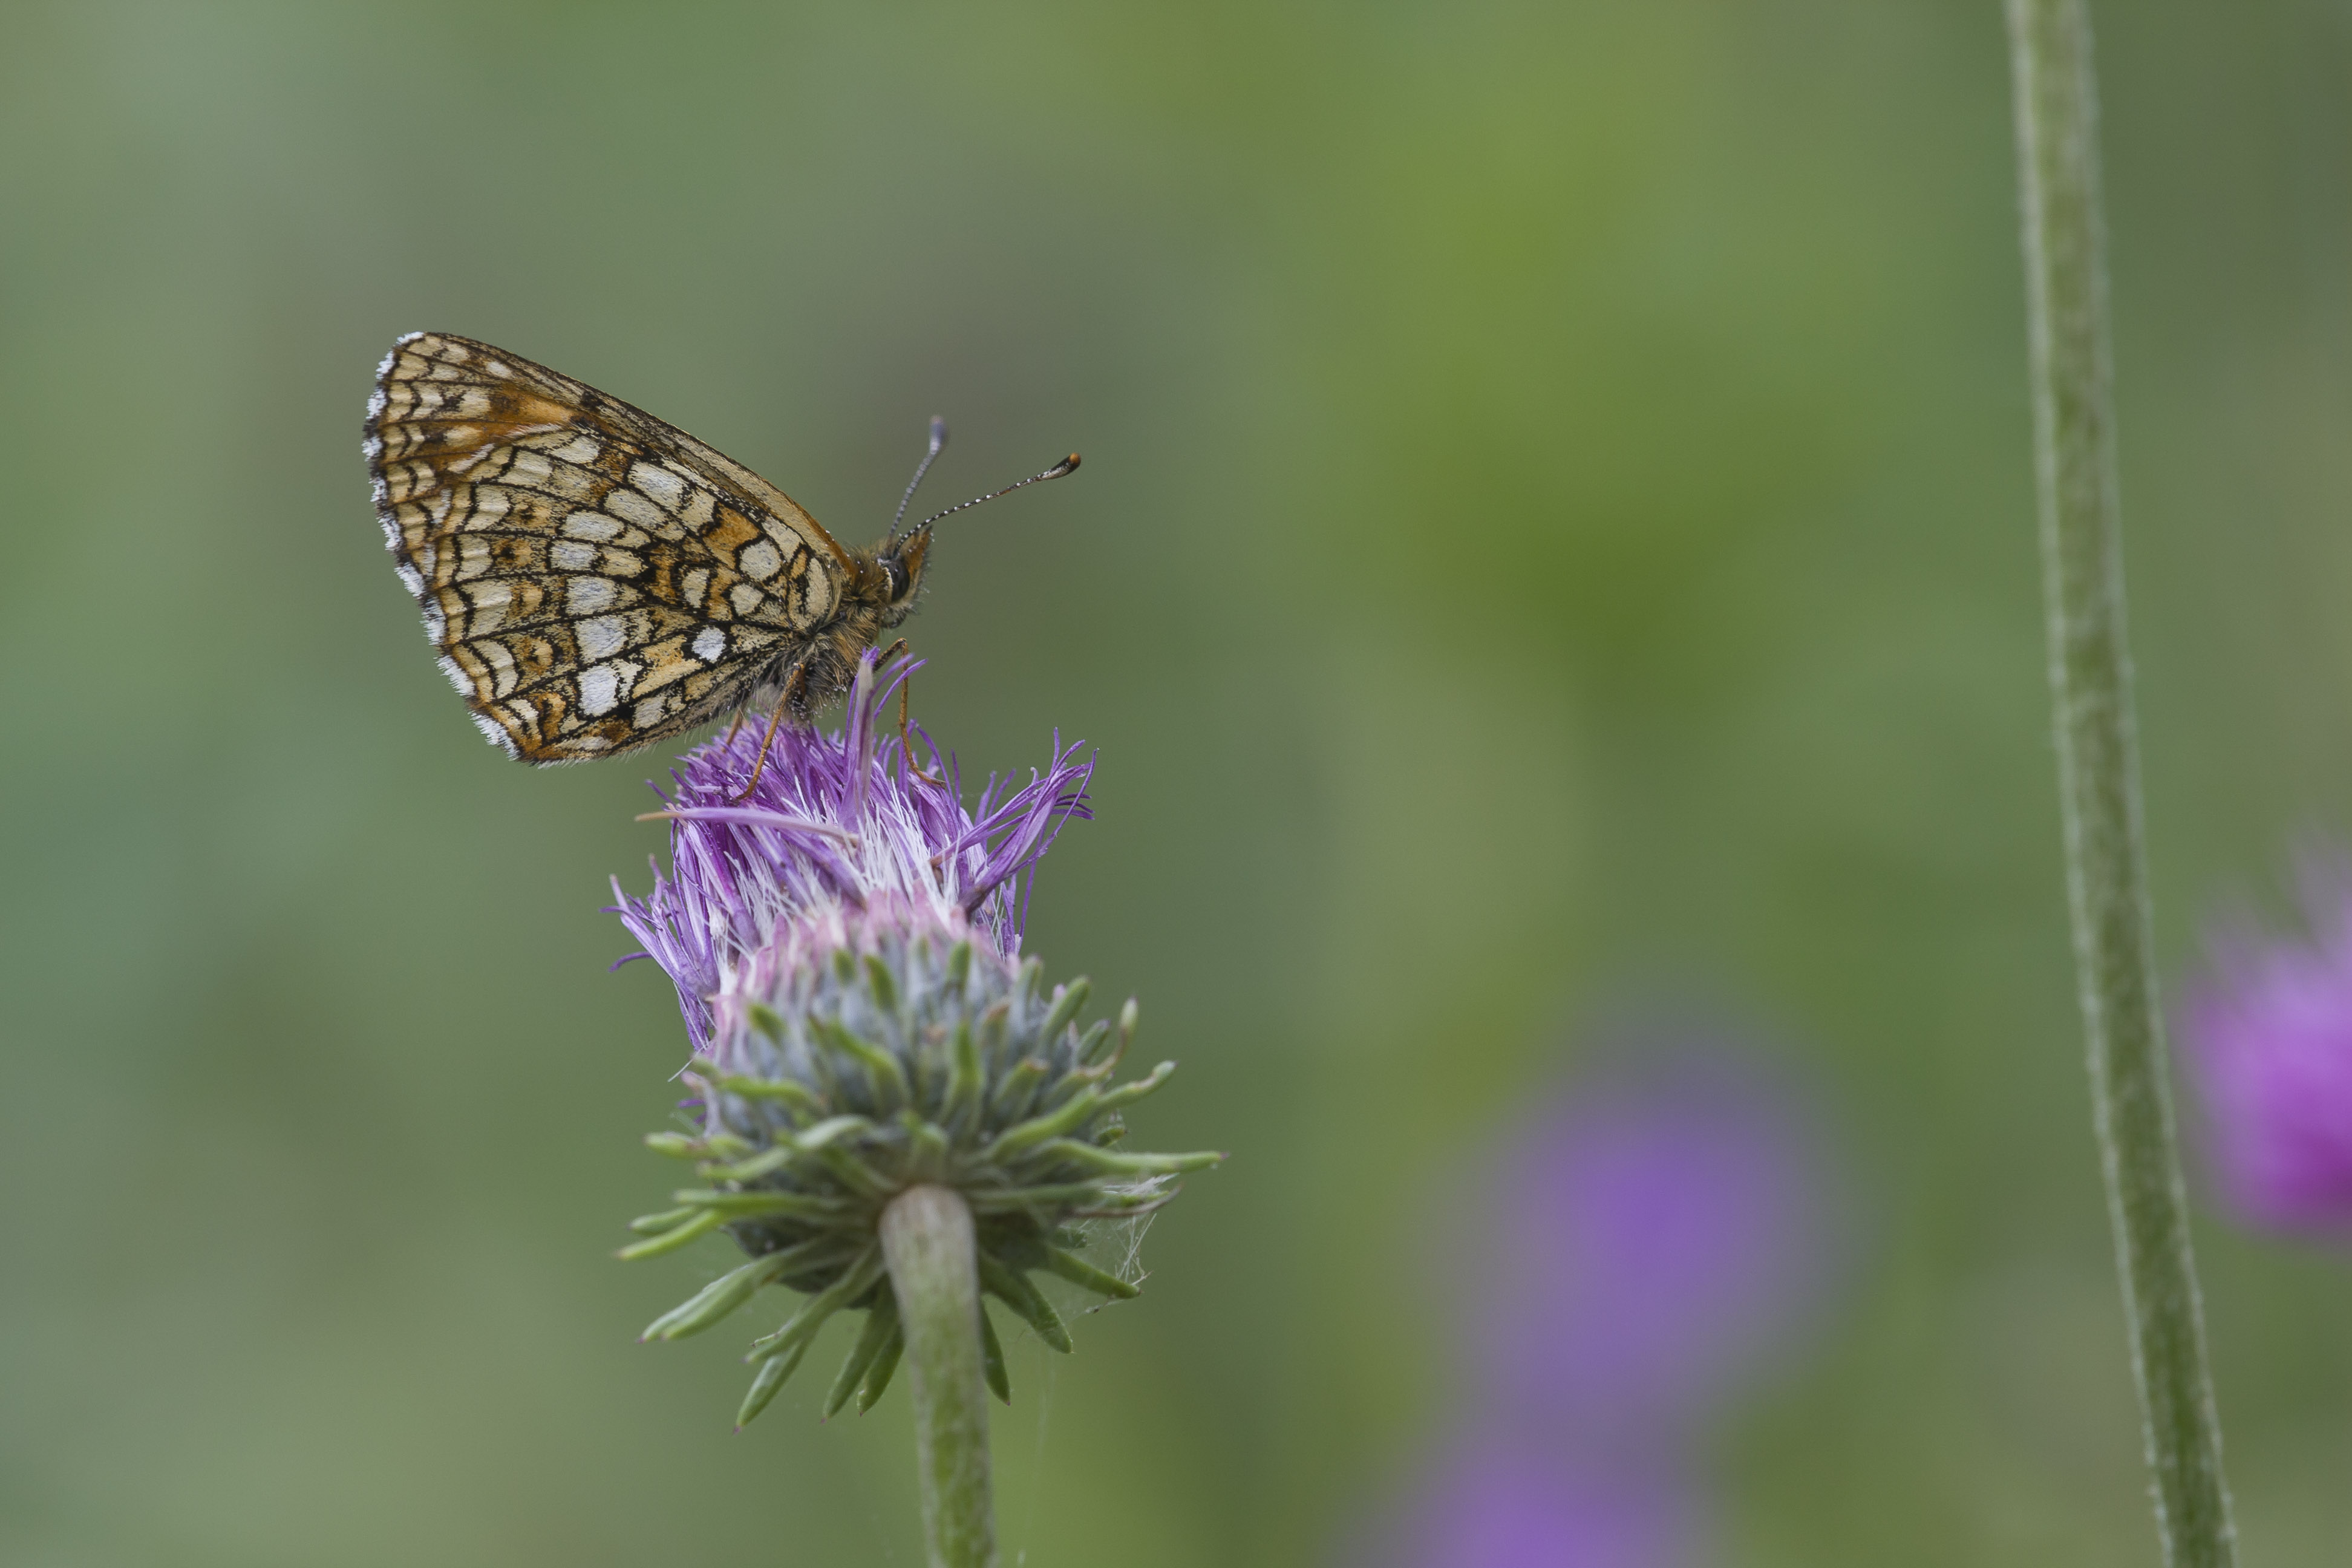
904	565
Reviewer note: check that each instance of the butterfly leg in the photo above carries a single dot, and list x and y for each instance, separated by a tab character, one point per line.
907	742
905	735
796	689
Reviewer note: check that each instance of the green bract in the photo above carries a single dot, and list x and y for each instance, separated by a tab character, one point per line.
875	1050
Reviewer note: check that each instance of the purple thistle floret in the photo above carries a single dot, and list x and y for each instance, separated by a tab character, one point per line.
2268	1038
846	941
834	821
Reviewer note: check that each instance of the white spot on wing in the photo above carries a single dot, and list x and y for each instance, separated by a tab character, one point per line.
591	525
599	688
601	638
709	644
568	555
586	596
636	508
759	560
664	485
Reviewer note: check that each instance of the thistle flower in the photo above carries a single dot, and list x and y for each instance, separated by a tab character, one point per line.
846	946
2268	1037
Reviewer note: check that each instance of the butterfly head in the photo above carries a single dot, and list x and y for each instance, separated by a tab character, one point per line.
898	569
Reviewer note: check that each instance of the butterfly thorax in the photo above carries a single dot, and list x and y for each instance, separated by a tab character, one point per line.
878	592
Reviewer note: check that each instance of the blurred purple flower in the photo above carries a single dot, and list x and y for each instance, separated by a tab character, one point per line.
836	823
2268	1038
1499	1505
1659	1235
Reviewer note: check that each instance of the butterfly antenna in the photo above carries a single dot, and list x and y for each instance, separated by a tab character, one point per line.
938	440
1068	465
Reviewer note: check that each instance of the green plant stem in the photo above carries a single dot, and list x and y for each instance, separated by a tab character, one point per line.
927	1241
2098	772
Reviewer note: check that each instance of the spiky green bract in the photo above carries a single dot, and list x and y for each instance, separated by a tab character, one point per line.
872	1050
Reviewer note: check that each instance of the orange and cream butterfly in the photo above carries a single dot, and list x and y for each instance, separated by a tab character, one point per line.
596	580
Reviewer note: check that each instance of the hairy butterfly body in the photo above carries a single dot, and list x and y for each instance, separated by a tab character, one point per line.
595	580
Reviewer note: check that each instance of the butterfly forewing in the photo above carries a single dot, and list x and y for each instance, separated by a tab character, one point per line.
594	579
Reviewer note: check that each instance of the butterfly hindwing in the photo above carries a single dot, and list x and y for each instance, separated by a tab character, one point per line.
593	579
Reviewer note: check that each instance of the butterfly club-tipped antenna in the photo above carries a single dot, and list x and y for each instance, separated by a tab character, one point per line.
939	440
1068	465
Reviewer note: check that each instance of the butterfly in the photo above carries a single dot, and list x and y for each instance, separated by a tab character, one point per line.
596	580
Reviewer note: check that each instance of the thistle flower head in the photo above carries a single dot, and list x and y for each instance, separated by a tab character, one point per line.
846	942
832	822
2268	1038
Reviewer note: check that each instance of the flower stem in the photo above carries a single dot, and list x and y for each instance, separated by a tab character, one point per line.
927	1242
2098	771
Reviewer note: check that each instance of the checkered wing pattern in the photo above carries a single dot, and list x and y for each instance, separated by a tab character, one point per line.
593	579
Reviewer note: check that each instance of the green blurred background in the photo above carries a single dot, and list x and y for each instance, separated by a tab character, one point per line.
1556	526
